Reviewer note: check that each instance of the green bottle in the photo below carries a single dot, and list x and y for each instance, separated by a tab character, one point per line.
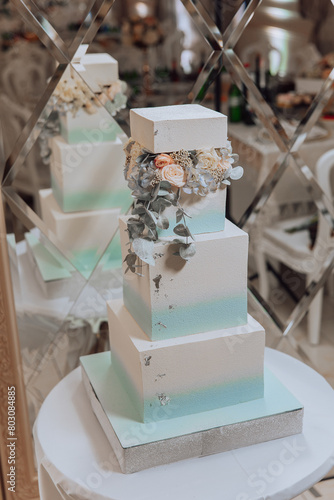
235	104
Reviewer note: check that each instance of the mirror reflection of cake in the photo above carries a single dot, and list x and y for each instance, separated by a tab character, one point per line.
88	191
185	376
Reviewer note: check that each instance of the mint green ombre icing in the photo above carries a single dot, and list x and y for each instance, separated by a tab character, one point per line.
209	221
119	408
78	135
112	258
127	386
208	398
85	261
225	312
50	262
80	201
193	401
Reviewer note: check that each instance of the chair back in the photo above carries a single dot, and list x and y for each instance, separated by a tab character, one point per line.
24	81
325	238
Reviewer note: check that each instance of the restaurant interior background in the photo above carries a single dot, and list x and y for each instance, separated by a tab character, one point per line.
267	65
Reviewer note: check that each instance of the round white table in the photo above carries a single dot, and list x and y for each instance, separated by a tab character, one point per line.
75	460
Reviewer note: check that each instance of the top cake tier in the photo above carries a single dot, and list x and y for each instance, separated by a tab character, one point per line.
172	128
98	70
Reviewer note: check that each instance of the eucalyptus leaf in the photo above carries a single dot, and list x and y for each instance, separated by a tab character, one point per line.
187	251
179	215
182	230
160	204
172	197
155	192
144	249
130	259
142	157
139	209
163	192
153	234
141	196
163	222
236	173
165	185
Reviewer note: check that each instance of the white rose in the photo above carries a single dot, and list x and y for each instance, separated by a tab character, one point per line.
208	157
174	174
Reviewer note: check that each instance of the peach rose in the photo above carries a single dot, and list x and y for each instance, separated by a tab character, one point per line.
162	160
174	174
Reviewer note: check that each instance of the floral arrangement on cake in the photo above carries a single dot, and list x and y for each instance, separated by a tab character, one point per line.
143	32
73	94
156	182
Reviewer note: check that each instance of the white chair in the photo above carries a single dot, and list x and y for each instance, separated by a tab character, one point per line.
293	249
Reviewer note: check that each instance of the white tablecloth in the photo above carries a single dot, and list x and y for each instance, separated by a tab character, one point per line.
76	462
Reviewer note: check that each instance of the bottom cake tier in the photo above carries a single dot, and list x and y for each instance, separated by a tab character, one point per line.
186	374
139	446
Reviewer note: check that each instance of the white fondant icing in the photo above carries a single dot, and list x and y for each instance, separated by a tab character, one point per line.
85	127
183	369
171	128
99	70
84	168
78	230
214	279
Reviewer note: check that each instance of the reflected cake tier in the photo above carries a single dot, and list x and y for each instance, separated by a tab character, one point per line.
85	234
95	124
176	297
189	374
98	70
85	127
87	176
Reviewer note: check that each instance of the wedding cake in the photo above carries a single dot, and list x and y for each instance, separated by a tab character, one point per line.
88	192
185	375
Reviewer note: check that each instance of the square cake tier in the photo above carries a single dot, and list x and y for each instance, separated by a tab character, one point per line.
177	297
88	127
172	128
100	70
186	375
88	176
139	445
79	231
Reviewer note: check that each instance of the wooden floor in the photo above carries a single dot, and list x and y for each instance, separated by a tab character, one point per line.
323	490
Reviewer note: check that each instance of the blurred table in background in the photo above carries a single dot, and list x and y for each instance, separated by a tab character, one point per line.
258	154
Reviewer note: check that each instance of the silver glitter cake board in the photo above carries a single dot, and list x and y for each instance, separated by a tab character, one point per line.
139	446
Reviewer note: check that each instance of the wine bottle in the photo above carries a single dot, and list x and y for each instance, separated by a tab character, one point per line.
235	104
